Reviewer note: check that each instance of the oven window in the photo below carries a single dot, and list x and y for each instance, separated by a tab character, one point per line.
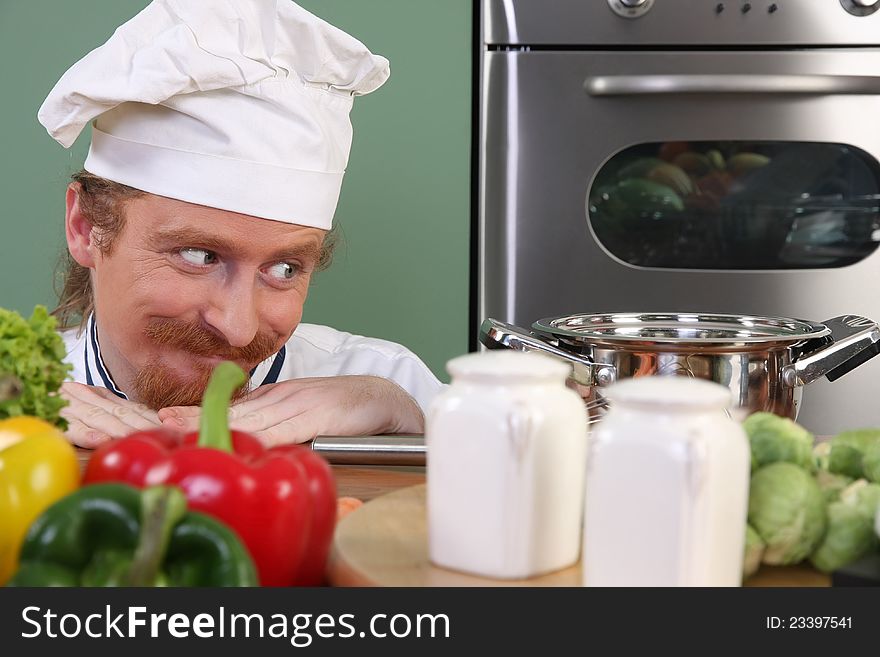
738	205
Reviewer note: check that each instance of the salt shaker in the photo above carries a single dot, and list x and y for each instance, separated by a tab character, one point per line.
506	445
666	488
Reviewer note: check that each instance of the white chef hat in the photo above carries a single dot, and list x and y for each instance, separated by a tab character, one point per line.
241	105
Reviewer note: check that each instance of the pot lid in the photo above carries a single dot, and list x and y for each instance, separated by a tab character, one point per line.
680	328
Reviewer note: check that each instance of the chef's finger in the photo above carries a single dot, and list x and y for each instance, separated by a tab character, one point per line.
186	415
136	416
179	411
83	436
174	423
71	390
251	404
259	391
288	432
242	415
100	392
85	392
288	408
181	418
96	418
284	389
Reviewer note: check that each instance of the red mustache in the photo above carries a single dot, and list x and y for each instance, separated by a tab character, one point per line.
199	341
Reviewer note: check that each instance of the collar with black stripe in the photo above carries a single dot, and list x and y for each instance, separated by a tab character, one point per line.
97	373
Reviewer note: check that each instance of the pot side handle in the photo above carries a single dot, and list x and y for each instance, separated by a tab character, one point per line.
855	340
499	335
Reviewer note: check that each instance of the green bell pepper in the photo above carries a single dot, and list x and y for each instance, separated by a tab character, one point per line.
118	535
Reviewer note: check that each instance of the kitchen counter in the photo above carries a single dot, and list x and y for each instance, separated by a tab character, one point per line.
368	482
364	482
386	544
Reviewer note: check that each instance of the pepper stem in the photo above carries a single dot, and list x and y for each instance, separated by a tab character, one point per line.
214	422
162	507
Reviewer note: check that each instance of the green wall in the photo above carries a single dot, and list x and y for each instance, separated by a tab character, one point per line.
401	271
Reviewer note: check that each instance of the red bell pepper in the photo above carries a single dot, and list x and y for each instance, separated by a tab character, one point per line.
322	489
281	501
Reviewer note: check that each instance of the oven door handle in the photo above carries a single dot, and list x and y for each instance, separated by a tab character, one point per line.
641	85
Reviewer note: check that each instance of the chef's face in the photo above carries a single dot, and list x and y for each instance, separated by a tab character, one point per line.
185	286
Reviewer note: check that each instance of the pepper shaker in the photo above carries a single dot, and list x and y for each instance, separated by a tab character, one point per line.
666	488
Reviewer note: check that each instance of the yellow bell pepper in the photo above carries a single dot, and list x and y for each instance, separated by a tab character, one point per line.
38	466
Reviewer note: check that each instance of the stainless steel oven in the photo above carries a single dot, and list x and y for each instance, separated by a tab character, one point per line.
684	156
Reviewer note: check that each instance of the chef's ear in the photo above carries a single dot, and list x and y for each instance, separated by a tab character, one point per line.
78	229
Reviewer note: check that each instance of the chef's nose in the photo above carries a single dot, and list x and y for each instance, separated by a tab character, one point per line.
233	313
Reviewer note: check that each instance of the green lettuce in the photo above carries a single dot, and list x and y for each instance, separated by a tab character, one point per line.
32	366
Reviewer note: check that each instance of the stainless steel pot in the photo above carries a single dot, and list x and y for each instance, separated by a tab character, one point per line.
764	361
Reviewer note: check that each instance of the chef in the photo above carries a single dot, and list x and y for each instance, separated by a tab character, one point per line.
220	134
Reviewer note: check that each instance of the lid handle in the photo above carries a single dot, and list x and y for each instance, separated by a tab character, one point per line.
499	335
855	340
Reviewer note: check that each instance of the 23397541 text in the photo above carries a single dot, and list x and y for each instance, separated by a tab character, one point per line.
808	622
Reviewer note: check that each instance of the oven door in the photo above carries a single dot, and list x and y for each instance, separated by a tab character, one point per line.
584	207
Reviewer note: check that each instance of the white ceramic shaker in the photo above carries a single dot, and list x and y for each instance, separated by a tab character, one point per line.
667	487
506	445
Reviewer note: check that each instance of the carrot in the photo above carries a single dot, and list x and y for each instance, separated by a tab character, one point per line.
345	505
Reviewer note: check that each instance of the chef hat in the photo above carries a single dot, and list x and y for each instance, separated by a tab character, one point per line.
241	105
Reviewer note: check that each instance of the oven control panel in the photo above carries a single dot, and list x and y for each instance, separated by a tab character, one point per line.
745	7
638	8
712	24
632	8
861	7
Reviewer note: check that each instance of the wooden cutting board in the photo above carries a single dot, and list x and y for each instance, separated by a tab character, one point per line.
385	543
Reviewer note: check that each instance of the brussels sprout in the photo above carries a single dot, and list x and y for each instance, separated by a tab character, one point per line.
864	495
773	438
848	538
846	452
861	439
845	460
831	484
871	463
754	550
787	509
850	533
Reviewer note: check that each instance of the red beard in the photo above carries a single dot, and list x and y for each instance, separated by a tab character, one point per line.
157	386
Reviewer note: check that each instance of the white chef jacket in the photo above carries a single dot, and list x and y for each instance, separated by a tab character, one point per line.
311	351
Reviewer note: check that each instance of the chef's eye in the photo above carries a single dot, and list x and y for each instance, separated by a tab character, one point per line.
198	257
283	271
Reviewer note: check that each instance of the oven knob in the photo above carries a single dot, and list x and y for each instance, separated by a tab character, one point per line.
861	7
631	8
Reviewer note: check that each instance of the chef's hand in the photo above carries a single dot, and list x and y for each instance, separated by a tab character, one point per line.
298	410
95	415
